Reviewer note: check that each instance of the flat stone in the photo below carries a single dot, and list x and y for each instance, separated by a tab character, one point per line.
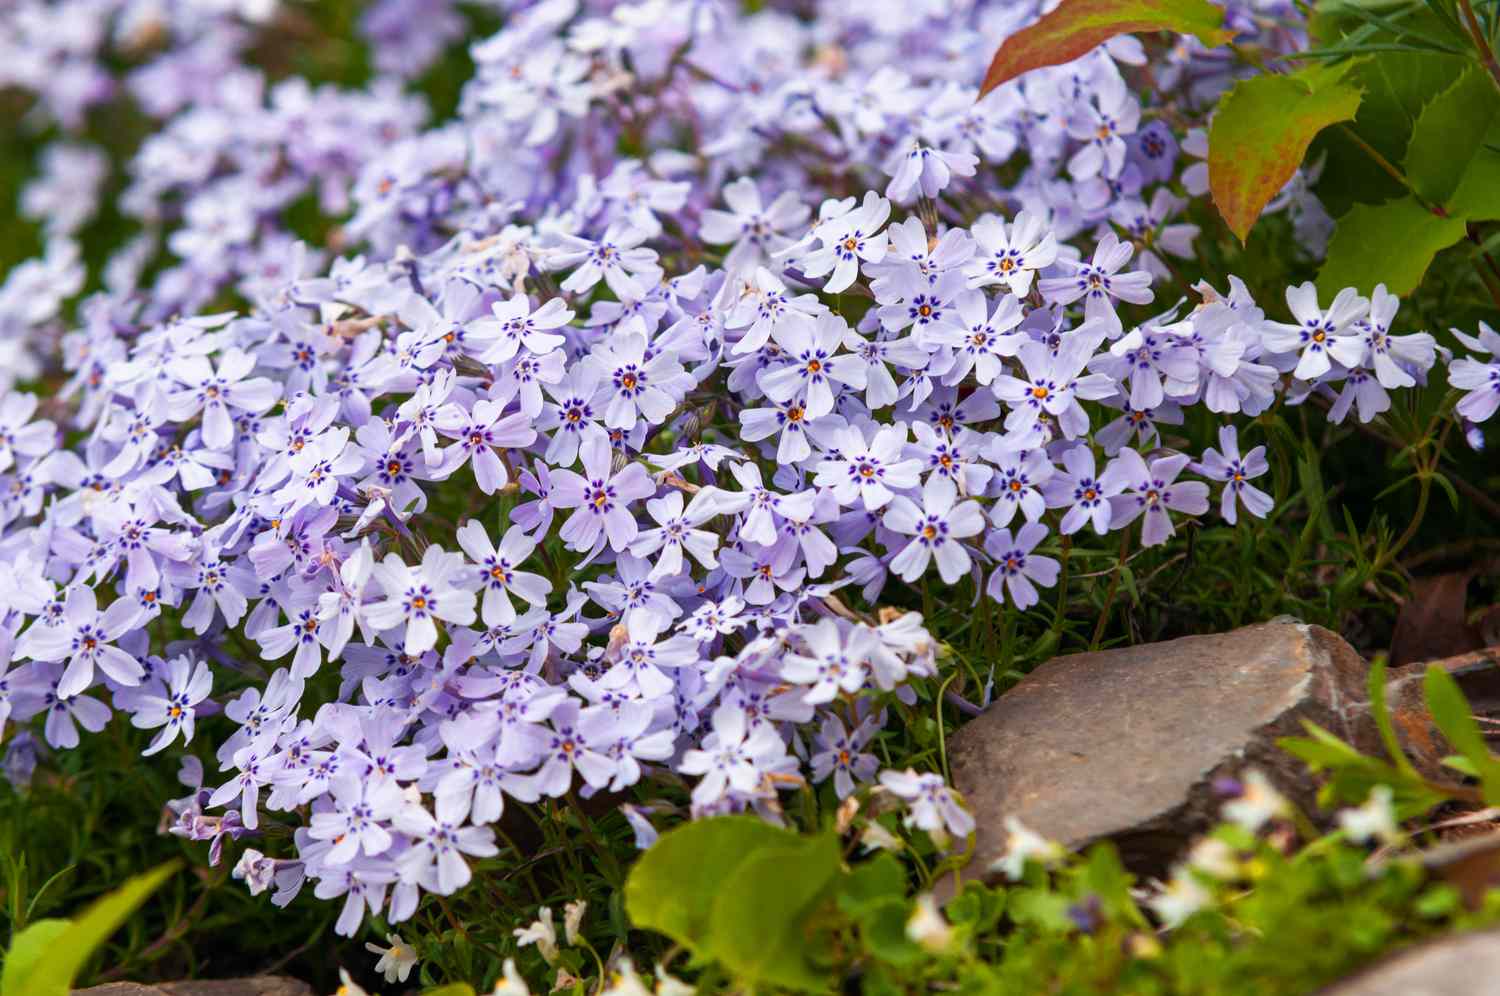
1457	965
1126	744
259	985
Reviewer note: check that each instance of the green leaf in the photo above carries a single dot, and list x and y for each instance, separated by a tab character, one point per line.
1451	712
1449	134
68	949
1391	243
27	950
451	989
1076	27
1478	195
673	886
759	925
871	883
1261	132
882	928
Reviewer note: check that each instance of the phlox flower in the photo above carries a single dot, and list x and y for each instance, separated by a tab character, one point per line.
736	757
846	240
435	858
497	570
18	434
1010	256
922	168
1236	473
1017	566
169	701
842	754
1478	377
937	526
215	392
1320	336
83	637
629	269
757	230
930	804
1155	490
514	324
868	471
1100	283
417	597
1084	493
602	498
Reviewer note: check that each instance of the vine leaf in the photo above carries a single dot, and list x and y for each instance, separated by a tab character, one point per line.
1076	27
1390	243
1261	133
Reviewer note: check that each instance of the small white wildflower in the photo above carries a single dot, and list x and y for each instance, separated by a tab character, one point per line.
625	981
572	917
927	927
1214	858
542	933
347	986
877	838
1023	844
511	983
396	961
669	985
1258	803
1180	898
1375	819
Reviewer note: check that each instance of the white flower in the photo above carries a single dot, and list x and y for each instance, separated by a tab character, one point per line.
510	983
396	961
572	917
877	838
347	986
1215	858
1023	844
927	927
1180	898
542	933
1376	818
1258	803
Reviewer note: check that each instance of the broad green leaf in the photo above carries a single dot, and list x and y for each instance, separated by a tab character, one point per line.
872	882
451	989
759	925
1076	27
1261	132
1451	712
673	886
1390	243
882	928
85	934
1478	195
1449	134
1396	85
27	949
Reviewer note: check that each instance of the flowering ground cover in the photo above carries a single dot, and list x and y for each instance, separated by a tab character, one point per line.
449	448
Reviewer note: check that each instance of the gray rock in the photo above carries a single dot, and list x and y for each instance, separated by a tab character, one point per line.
1458	965
1127	744
260	985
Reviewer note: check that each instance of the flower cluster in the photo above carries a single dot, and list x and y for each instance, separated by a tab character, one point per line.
555	489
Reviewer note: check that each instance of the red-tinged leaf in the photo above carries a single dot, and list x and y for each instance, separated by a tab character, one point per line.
1261	133
1076	27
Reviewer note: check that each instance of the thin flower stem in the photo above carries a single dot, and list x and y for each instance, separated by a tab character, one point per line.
1114	586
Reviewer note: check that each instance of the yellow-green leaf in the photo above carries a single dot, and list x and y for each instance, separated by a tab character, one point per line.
1076	27
1261	133
72	945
